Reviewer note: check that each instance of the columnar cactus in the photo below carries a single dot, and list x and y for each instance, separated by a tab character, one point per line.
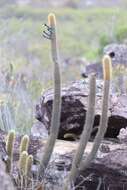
78	164
86	132
24	144
55	121
9	148
107	72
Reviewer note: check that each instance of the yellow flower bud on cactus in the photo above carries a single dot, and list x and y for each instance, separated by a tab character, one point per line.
24	143
107	67
29	163
22	162
52	20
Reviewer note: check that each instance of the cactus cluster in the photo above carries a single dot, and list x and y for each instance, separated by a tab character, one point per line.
26	160
77	164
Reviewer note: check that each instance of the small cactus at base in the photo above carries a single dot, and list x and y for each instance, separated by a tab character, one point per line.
9	148
10	143
24	143
22	162
28	166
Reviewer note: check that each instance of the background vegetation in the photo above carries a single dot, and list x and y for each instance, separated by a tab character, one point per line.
26	68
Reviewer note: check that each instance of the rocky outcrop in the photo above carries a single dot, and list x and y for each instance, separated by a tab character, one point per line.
92	68
118	54
74	108
108	170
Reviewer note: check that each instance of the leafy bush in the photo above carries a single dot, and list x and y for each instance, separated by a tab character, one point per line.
121	33
103	41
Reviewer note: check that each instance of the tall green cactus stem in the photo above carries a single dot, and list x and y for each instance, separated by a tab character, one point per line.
9	148
107	69
24	143
28	166
22	162
55	121
85	135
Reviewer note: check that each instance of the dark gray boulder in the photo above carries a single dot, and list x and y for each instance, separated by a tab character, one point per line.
74	108
117	52
92	68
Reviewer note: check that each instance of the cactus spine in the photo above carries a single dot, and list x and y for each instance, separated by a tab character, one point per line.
55	121
9	149
85	135
24	143
28	166
107	72
22	162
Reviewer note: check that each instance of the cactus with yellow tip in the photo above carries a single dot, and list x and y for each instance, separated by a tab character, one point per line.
54	43
107	67
107	73
24	143
78	164
55	121
22	162
28	166
52	20
9	148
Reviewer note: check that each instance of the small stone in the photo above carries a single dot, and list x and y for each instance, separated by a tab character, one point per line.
104	148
